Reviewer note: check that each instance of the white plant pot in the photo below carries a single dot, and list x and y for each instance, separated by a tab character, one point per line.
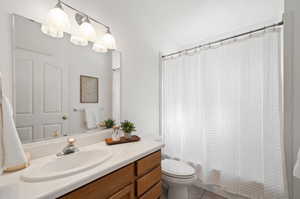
127	135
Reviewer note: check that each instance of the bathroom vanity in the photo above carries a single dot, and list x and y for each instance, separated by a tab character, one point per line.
141	179
132	171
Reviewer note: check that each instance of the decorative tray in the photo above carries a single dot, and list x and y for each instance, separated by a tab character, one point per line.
123	140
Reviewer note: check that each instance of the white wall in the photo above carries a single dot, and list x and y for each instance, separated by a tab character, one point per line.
292	95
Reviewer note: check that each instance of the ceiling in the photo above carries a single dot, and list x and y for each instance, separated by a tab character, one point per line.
172	24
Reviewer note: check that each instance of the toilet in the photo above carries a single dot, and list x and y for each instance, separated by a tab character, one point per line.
177	176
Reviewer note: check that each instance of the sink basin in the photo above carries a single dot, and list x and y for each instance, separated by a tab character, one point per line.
66	165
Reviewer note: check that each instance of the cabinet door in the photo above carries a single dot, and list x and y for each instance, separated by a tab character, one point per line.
125	193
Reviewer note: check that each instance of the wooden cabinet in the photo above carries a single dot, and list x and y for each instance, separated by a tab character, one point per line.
148	163
125	193
153	193
138	180
105	186
147	181
148	177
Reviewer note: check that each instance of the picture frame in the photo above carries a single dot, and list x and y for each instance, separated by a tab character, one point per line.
89	89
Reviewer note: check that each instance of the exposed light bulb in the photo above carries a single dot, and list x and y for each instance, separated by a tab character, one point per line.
109	41
99	47
57	22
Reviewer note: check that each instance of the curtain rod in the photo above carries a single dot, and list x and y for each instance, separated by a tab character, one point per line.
225	39
95	20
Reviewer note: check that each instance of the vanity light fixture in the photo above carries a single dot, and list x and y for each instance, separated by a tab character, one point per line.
77	36
57	22
88	30
85	27
109	40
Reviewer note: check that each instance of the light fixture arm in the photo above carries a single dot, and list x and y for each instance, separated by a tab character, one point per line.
108	30
81	18
58	5
82	13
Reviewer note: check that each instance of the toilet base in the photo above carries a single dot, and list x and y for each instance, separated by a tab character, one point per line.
178	192
178	188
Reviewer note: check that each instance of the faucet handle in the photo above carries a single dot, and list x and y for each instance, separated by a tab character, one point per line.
71	141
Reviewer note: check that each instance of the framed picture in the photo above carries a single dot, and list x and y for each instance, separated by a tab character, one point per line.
89	92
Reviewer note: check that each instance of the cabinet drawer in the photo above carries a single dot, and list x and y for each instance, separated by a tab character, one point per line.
125	193
153	193
146	164
105	186
148	180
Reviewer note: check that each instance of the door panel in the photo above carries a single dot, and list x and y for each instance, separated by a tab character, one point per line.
41	95
24	86
52	92
52	130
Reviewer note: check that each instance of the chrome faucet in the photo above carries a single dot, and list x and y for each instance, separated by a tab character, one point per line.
69	149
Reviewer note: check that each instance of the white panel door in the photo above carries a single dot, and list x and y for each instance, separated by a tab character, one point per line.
41	97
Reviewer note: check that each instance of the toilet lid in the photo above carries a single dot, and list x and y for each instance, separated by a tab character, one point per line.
177	168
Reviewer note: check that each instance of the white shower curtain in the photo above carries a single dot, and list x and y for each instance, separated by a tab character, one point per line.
222	111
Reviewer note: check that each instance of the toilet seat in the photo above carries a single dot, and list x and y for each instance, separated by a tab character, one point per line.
177	169
178	176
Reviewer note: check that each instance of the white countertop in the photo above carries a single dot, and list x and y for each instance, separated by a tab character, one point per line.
123	154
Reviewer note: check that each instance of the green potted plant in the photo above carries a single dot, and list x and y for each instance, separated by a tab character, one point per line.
127	127
109	123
